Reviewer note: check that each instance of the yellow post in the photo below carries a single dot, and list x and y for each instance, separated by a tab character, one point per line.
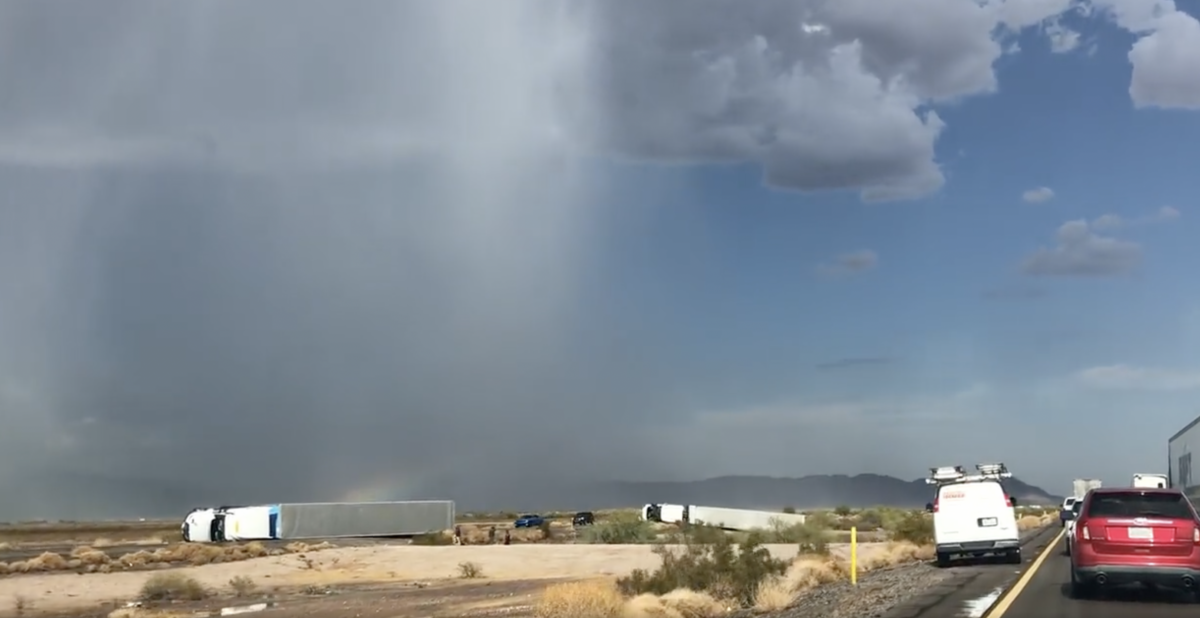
853	555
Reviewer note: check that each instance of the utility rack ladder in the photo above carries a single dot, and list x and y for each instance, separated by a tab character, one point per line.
957	474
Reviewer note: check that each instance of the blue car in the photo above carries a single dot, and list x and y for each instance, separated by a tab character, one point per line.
528	521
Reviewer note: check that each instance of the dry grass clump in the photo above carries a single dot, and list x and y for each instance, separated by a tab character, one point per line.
583	599
88	559
808	572
242	586
172	587
1031	522
602	599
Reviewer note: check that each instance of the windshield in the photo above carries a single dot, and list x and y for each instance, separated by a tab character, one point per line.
1138	504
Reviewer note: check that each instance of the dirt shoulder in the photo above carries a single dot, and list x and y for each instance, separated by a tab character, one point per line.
356	566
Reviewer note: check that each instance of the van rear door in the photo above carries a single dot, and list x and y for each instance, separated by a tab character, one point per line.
973	512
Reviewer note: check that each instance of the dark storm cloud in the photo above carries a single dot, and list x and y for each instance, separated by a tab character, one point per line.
292	250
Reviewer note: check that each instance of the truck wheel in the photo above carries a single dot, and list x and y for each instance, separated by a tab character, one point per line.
943	559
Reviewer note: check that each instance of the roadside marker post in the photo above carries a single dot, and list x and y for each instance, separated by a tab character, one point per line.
853	555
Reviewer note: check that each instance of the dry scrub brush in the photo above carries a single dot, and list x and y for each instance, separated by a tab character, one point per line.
172	587
720	568
88	559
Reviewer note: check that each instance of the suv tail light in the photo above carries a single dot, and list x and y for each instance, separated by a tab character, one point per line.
1196	535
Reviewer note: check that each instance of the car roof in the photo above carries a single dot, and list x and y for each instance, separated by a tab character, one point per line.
1138	490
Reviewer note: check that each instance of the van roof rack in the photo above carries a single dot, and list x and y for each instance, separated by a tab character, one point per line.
956	474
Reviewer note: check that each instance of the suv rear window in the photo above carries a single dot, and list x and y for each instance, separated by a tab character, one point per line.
1138	504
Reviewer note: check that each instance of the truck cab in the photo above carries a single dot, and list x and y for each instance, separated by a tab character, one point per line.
199	526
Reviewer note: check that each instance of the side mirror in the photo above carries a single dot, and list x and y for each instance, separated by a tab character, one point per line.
1014	500
929	507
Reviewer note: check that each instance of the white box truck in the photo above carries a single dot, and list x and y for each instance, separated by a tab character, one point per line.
1180	473
1145	480
1080	487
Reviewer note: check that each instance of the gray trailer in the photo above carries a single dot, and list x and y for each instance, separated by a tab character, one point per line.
1180	470
331	520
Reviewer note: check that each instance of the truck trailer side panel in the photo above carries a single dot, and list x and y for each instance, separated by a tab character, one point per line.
1181	472
741	519
1081	486
364	519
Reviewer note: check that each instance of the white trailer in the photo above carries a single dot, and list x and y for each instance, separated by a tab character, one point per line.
726	518
318	521
1145	480
1080	487
742	519
1180	473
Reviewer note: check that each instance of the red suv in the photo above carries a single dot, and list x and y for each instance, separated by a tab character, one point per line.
1135	535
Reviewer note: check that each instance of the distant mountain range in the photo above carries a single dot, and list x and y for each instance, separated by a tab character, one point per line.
807	492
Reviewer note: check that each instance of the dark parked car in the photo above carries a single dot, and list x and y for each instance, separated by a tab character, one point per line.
583	518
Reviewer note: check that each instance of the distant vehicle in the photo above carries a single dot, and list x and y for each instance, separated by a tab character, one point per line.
529	521
1150	480
1075	509
1135	536
583	518
973	515
1065	514
720	517
1080	487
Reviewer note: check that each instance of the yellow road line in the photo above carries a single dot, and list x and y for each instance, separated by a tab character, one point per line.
1002	606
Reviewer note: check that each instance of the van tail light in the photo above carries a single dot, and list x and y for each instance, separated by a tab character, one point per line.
935	505
1007	501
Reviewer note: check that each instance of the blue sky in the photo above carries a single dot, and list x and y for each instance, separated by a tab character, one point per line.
795	238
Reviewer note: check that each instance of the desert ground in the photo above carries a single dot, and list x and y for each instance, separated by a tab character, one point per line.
47	574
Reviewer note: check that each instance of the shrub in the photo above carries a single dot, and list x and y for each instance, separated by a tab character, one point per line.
242	586
172	587
545	528
790	510
842	511
915	528
469	570
619	532
721	569
869	519
810	536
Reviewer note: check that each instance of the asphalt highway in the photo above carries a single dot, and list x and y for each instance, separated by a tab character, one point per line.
1039	589
1046	594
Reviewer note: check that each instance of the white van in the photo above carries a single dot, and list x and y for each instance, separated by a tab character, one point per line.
974	518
